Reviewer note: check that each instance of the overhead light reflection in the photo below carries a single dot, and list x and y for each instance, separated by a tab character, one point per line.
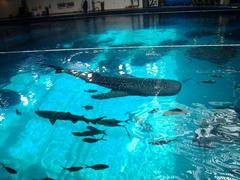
2	117
152	69
24	100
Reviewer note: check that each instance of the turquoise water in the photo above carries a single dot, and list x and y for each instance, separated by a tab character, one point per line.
209	96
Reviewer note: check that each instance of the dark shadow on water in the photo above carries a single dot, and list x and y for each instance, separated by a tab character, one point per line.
233	35
199	34
112	61
142	57
216	55
174	42
128	44
8	98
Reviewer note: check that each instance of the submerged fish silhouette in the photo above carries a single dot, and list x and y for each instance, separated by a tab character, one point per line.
8	169
88	107
85	133
48	178
73	169
111	122
98	166
175	111
216	75
93	140
18	112
96	131
114	123
91	91
207	81
92	131
125	85
53	116
161	142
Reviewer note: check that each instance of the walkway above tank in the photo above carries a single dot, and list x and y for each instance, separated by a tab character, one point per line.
162	10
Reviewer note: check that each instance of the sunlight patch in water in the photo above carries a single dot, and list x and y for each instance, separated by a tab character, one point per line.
138	37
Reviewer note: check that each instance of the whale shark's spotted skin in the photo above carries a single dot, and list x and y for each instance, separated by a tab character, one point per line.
126	85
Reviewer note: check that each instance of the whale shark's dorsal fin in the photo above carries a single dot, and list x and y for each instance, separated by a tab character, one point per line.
52	121
110	94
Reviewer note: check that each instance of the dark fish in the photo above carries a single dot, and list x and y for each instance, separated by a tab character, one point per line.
73	169
161	142
86	133
9	170
112	122
216	75
91	91
53	116
88	107
208	81
94	121
18	112
96	131
154	111
98	166
93	140
175	111
230	69
47	178
92	128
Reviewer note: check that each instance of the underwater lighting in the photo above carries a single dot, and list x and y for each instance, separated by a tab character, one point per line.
121	72
24	100
120	67
49	84
2	117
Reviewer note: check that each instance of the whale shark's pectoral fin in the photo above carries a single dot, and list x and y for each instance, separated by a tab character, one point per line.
111	94
52	121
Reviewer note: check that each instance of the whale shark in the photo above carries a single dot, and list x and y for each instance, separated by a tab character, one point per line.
54	116
125	85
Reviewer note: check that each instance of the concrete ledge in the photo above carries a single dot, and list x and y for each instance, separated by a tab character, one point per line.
162	10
